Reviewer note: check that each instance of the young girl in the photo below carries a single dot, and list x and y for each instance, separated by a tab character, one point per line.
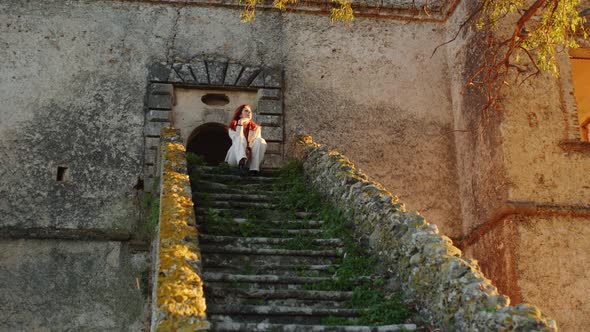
248	147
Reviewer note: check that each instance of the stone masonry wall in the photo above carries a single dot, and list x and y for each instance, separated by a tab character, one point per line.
448	289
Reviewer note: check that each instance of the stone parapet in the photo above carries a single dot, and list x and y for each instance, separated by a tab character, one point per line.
178	302
450	290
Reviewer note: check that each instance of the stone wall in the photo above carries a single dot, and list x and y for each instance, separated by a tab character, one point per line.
523	197
449	290
57	285
76	87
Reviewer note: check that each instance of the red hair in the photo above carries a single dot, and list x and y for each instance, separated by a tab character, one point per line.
234	120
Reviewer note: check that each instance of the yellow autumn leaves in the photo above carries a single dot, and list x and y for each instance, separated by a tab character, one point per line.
341	11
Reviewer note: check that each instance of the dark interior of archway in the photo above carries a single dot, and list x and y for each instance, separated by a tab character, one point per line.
211	142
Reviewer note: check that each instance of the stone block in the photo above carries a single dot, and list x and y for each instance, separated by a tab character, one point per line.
159	71
150	156
160	102
273	78
266	106
272	161
184	71
274	148
273	94
158	116
273	134
199	70
270	120
232	73
161	89
152	129
174	77
216	72
148	171
152	142
247	76
258	82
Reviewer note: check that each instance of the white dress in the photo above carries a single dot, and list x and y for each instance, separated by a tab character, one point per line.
237	151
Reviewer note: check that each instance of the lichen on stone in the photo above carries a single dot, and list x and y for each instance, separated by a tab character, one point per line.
180	302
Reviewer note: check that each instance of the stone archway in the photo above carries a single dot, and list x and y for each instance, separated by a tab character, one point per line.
166	79
209	141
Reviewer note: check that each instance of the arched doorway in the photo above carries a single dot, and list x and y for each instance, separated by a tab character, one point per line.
210	141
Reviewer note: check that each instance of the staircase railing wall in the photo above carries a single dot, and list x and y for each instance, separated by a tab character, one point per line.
178	302
450	290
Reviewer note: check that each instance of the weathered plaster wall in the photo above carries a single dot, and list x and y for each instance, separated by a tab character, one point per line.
478	144
373	92
518	159
539	169
73	81
73	90
496	252
105	47
70	286
554	268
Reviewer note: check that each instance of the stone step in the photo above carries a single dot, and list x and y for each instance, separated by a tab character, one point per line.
236	250
321	303
216	259
285	224
285	269
278	232
265	282
279	294
268	198
267	172
279	311
208	187
236	179
236	188
262	242
239	205
240	212
265	327
261	278
275	314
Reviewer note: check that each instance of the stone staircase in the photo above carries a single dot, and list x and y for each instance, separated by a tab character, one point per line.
256	277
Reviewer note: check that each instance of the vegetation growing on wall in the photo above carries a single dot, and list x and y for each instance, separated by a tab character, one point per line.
341	11
521	37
